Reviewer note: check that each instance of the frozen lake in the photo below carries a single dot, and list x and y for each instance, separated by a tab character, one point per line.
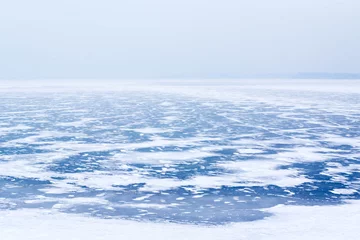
185	156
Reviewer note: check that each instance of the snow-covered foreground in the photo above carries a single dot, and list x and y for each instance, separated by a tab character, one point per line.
289	222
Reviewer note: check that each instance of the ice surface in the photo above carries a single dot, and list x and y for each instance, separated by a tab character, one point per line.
225	160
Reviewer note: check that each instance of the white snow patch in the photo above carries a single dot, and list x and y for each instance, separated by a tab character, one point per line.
150	130
289	222
344	191
161	157
263	172
80	123
249	151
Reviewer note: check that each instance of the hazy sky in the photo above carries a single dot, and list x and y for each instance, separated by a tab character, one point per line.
177	38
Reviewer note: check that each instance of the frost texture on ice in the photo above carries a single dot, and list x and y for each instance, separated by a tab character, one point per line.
204	155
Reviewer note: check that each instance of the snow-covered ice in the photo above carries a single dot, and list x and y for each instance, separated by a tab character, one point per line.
246	159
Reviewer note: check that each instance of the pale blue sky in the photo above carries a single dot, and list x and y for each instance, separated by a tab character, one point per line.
173	38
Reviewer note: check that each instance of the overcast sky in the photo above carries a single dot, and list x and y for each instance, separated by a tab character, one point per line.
177	38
